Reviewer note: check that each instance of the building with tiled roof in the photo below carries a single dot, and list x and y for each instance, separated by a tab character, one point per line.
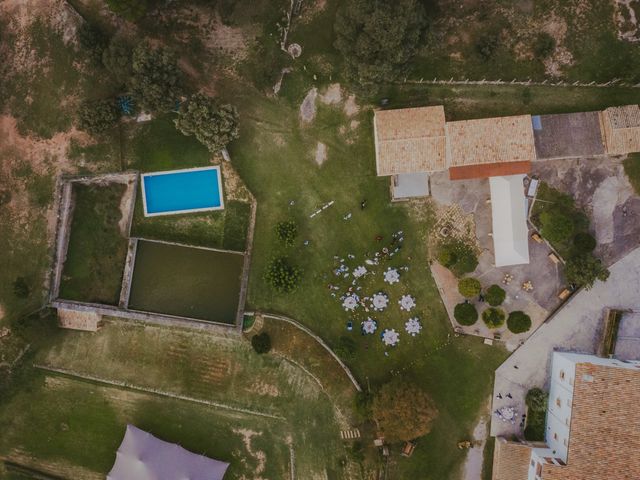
592	428
490	147
621	129
409	140
510	460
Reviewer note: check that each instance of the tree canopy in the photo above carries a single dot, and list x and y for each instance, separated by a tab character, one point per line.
156	80
584	270
495	295
465	314
212	124
116	58
493	317
556	226
98	117
469	287
282	276
518	322
403	410
378	38
261	343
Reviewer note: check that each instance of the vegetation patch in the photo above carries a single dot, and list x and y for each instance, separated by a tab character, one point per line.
536	401
465	314
97	250
457	256
469	287
632	169
495	295
518	322
493	317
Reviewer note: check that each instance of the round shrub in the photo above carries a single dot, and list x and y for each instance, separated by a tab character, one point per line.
447	257
518	322
493	317
469	287
584	242
282	276
287	232
261	343
465	314
495	295
98	117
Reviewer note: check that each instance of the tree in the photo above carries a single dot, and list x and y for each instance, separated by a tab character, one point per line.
493	317
495	295
544	45
469	287
403	411
458	257
536	399
282	276
518	322
583	270
21	288
156	80
212	124
261	343
129	9
93	40
98	117
487	44
378	38
556	226
346	348
584	242
287	232
465	314
117	59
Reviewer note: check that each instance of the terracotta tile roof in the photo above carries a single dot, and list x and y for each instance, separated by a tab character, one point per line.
510	460
490	140
605	426
410	140
489	170
621	128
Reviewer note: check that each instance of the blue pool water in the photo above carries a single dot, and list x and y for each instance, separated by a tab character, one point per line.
182	191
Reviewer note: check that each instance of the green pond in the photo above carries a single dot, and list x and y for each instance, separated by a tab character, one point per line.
186	281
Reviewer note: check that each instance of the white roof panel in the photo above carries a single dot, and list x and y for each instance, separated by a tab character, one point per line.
509	218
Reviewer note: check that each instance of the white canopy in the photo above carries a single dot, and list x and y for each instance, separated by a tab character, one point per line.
390	337
369	326
509	218
391	276
350	302
142	456
407	302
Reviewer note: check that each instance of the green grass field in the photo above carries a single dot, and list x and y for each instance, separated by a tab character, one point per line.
198	365
97	249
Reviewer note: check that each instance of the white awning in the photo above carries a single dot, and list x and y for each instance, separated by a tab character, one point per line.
509	218
142	456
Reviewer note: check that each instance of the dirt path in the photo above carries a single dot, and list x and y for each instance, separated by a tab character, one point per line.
475	457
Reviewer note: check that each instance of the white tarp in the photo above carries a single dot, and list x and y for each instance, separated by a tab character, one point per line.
142	456
509	218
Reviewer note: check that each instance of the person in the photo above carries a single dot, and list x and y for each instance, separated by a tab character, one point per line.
363	204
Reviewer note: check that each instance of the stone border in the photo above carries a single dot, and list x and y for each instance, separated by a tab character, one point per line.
130	262
317	339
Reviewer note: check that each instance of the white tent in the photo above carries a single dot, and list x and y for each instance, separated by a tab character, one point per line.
142	456
509	217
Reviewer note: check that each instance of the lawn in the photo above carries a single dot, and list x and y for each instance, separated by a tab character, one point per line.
205	367
632	169
97	249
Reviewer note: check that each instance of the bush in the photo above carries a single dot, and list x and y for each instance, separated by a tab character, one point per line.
93	41
287	232
465	314
493	317
487	44
556	226
583	270
544	45
346	348
117	59
403	410
469	287
98	117
536	399
212	124
21	288
518	322
584	242
377	39
363	403
458	257
156	80
261	343
495	295
282	276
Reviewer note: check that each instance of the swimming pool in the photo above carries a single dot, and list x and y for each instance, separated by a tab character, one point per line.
182	191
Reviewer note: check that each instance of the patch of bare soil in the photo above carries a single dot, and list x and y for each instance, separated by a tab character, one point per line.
561	57
234	187
321	154
264	389
259	455
351	108
308	106
310	10
333	95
